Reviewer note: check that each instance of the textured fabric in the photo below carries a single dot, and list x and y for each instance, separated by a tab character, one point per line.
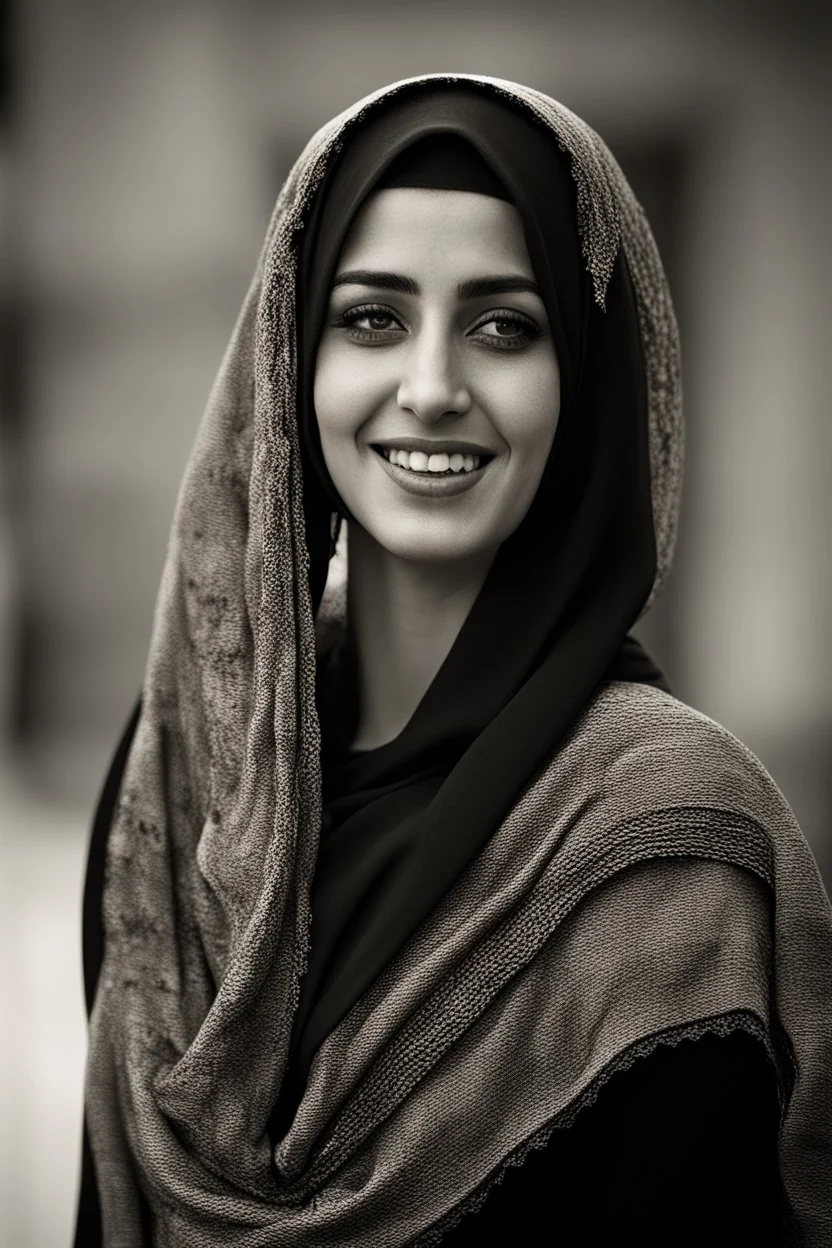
402	821
640	911
649	885
681	1147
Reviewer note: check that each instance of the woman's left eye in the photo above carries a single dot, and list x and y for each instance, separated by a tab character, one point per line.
505	330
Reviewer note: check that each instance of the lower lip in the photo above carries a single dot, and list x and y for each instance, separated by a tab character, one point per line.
431	484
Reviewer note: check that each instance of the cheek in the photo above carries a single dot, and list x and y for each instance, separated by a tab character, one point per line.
330	397
345	394
525	403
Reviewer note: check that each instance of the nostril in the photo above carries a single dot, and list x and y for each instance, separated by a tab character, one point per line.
430	401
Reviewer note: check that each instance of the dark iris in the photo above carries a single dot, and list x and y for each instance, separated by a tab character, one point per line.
377	320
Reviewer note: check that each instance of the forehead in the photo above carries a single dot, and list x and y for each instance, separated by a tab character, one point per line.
402	229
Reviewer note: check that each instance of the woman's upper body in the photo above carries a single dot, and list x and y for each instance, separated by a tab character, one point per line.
679	1148
342	988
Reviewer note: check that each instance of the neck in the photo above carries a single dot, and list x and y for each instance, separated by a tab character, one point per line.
404	617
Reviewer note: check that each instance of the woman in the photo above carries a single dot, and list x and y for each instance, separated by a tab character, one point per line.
432	915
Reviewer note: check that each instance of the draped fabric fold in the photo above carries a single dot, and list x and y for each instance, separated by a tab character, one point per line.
647	881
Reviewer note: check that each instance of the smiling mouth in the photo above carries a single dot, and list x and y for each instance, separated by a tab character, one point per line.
435	465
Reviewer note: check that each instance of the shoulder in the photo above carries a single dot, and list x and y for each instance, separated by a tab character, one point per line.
656	752
633	714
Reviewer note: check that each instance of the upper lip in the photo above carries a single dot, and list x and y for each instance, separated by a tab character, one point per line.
432	446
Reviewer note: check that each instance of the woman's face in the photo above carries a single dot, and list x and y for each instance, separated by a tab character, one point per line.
436	383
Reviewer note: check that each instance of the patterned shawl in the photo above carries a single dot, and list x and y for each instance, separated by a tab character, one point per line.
650	884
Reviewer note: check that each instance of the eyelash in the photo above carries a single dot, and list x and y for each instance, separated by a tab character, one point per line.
348	319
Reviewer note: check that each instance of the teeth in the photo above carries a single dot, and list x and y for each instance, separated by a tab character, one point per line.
418	461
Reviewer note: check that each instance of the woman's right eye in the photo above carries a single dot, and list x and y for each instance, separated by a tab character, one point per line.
370	324
376	320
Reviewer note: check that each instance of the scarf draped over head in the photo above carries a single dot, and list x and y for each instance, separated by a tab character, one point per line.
549	872
403	821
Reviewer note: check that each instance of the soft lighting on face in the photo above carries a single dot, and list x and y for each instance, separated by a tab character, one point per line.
436	386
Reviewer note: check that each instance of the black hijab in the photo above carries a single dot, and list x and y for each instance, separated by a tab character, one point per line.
401	822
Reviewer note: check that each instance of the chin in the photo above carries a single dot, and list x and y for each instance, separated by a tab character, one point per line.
414	540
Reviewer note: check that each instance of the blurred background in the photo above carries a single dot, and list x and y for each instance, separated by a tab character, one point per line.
141	150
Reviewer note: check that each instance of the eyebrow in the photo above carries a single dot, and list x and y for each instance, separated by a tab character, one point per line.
477	287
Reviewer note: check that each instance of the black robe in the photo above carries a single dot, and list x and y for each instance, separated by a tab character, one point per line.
681	1149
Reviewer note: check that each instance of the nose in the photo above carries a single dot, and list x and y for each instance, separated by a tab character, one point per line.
432	384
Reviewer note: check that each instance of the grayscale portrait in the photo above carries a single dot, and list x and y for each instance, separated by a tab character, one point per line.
445	879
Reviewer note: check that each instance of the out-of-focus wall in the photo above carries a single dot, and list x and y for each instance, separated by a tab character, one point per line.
147	148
